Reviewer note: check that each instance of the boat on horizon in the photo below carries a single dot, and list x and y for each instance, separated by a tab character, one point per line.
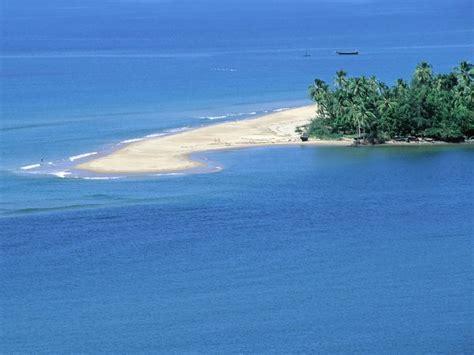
347	52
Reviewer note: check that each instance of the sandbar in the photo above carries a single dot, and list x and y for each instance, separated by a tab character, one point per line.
173	153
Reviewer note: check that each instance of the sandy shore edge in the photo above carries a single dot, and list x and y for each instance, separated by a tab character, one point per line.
173	153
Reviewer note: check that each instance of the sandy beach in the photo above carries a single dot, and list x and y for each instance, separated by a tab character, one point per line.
173	153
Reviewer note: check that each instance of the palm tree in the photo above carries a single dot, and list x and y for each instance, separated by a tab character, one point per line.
386	103
383	88
400	88
464	96
325	100
356	87
423	74
401	83
464	90
386	107
465	72
360	117
319	88
341	79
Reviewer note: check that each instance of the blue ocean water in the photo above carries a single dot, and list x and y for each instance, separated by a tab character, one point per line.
343	250
298	249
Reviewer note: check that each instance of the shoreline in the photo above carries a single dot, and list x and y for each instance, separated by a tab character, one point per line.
174	153
177	152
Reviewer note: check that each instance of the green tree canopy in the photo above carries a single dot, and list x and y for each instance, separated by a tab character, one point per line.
438	106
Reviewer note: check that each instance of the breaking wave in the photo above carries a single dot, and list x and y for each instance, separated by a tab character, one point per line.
229	115
132	140
81	156
61	174
29	167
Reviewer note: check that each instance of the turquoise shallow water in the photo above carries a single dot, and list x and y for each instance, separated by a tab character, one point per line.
299	249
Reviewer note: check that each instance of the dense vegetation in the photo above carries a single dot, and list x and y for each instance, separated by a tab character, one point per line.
439	107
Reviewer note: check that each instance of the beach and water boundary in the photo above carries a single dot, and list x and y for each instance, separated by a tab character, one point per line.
182	150
175	153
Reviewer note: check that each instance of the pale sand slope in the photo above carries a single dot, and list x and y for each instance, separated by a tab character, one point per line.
172	153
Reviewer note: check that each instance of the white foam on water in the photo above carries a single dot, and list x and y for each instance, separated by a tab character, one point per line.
175	130
281	109
155	135
132	140
214	117
168	131
168	174
245	113
81	156
28	167
61	174
228	115
101	177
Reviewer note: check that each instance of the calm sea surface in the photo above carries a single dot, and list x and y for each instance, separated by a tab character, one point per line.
299	249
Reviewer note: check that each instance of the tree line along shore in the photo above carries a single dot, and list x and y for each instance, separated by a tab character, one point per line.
431	107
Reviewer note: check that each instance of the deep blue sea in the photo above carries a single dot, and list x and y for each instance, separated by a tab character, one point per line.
296	249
